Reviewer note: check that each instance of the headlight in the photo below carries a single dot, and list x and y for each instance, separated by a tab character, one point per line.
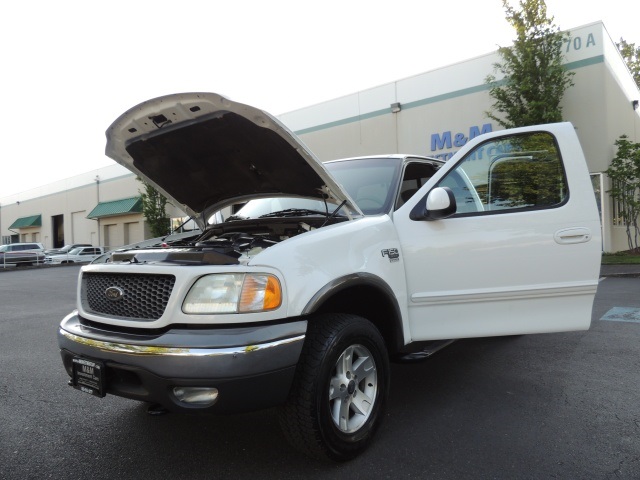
233	293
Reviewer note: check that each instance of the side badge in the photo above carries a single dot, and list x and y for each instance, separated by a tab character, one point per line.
392	254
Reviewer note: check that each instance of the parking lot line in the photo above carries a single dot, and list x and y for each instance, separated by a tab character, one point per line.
623	314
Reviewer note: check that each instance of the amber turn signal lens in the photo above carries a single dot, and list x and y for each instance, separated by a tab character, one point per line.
259	293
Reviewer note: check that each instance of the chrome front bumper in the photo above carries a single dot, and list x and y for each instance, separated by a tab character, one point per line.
252	366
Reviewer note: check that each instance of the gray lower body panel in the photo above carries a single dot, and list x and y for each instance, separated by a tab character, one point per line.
252	367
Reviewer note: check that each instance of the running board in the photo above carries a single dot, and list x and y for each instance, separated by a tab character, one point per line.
426	350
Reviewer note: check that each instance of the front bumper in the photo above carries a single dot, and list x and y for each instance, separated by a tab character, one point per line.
252	367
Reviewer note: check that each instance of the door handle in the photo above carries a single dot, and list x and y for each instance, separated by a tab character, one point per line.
569	236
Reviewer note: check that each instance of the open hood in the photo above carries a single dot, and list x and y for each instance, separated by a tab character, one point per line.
204	152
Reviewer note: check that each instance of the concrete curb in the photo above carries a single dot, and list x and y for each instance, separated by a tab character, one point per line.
620	271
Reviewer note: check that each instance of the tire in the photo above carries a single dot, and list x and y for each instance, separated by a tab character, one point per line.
340	388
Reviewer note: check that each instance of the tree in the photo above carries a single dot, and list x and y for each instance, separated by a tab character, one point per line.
631	55
154	209
624	172
535	79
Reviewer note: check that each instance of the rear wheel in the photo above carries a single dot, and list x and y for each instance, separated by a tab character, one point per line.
340	388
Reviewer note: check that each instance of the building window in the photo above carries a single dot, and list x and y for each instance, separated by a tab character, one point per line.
621	210
596	183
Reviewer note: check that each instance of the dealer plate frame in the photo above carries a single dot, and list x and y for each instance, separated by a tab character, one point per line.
89	376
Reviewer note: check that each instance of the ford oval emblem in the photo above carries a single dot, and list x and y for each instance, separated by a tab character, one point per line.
114	293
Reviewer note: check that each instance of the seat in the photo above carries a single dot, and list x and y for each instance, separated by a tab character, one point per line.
407	194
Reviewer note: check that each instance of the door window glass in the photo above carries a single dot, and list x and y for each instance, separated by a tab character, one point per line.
510	173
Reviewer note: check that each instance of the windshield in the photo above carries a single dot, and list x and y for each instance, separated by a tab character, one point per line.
371	182
266	206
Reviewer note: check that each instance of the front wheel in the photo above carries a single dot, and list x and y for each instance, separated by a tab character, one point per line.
340	388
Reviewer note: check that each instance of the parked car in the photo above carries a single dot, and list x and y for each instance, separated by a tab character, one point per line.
21	254
65	249
77	255
330	270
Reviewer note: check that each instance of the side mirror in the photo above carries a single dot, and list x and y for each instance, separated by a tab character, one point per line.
441	203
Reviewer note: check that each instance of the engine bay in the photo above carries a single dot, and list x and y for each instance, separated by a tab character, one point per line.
228	243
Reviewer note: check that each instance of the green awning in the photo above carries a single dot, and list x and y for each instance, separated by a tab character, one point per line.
117	207
26	222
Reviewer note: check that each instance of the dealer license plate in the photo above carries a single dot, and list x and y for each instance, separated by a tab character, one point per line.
89	376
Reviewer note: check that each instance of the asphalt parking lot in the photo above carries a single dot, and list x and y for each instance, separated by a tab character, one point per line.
562	406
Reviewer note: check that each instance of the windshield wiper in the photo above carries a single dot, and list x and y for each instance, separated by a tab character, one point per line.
235	217
293	212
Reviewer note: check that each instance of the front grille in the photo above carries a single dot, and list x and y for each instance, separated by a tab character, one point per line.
144	296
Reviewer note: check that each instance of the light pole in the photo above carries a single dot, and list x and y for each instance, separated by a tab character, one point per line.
97	180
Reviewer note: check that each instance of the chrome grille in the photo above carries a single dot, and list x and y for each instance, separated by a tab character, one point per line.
144	296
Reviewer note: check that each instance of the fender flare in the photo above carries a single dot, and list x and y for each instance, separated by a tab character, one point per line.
355	280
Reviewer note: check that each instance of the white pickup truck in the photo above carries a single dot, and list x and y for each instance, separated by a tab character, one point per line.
84	254
302	296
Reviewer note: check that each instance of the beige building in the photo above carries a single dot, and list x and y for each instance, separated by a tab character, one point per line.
101	207
433	114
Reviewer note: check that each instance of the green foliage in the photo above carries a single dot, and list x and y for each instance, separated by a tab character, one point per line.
631	55
154	209
534	78
624	172
620	258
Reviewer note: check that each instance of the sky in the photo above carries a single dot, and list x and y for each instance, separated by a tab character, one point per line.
70	68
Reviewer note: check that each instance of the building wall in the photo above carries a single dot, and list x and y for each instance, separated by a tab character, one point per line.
74	204
121	230
73	199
